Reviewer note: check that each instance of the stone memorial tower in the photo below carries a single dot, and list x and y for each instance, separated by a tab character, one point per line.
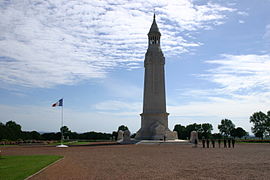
154	119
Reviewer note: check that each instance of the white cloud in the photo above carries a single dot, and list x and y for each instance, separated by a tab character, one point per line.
48	43
242	13
238	73
243	87
241	21
216	108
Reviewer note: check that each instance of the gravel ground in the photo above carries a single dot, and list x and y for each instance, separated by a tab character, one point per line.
245	161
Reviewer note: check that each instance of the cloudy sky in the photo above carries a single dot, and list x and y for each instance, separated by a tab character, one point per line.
91	54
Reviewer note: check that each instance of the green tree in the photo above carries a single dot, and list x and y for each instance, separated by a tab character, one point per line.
73	135
206	130
14	126
3	131
216	136
238	132
181	131
35	135
194	127
51	136
65	130
95	136
114	135
226	127
14	131
122	127
259	134
267	123
261	123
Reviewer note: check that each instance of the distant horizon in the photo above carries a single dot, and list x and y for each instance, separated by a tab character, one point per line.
42	132
91	54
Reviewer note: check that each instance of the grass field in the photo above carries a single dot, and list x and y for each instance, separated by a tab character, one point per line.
78	142
254	141
20	167
9	145
71	143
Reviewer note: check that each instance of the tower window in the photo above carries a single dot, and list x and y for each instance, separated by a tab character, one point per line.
154	40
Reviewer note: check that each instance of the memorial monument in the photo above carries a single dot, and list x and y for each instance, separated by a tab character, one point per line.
154	119
194	137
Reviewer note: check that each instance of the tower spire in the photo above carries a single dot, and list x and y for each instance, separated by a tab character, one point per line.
154	27
154	34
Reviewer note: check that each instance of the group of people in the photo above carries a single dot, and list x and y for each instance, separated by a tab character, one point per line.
206	143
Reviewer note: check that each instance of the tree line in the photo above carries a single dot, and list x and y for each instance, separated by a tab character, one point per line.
260	121
261	128
13	131
226	128
261	124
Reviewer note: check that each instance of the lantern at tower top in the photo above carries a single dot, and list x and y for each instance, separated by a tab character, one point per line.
154	34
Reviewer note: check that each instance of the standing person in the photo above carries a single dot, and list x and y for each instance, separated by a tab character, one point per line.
225	143
219	141
233	142
213	143
229	143
203	142
207	143
164	138
196	143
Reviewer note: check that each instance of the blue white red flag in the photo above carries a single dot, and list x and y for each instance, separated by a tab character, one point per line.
58	103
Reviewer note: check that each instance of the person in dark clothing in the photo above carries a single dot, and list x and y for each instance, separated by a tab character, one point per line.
225	143
233	142
207	143
229	143
196	143
213	143
219	142
203	142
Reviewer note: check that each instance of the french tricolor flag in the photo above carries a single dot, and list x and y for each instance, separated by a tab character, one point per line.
58	103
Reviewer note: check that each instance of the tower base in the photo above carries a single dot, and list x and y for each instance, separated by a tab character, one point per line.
146	135
155	127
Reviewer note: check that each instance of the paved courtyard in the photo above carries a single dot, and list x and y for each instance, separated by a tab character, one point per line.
245	161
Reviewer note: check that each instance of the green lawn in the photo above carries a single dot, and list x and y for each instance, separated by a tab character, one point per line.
70	143
76	142
20	167
79	143
9	145
254	141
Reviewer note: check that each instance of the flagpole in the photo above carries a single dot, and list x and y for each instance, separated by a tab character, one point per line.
60	103
62	114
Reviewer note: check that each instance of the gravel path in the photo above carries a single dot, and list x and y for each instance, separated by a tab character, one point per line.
245	161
